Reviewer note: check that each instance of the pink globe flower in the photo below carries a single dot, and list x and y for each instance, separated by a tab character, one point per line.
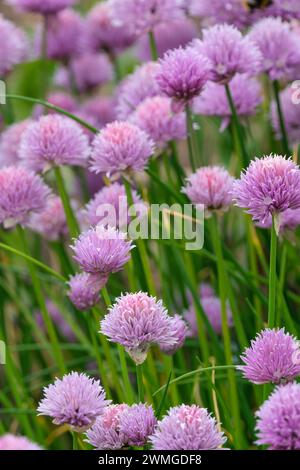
84	289
91	70
12	442
137	423
105	434
44	7
51	222
10	140
13	46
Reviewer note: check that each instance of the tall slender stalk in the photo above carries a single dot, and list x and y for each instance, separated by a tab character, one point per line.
237	126
272	277
190	136
140	384
284	137
153	46
71	219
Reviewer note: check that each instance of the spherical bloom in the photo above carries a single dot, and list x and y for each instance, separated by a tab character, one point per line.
11	442
112	197
119	147
291	115
61	324
10	140
212	309
137	423
156	117
101	109
279	46
246	94
13	46
76	400
91	70
228	52
187	427
181	331
102	31
136	321
278	419
211	186
272	357
51	222
102	250
268	187
138	86
144	15
45	7
84	289
21	193
52	141
182	74
105	434
232	12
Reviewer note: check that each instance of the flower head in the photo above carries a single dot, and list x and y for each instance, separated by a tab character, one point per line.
291	116
13	46
105	434
287	10
136	321
101	109
61	324
11	442
187	427
268	187
232	12
279	46
53	141
272	357
229	53
44	7
137	423
212	309
84	289
76	400
10	140
91	70
102	250
21	194
51	222
119	147
211	186
181	330
278	419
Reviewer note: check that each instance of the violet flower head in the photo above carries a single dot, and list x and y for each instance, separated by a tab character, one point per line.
232	12
182	74
75	400
156	117
54	140
135	88
212	309
268	187
105	434
144	15
210	186
45	7
279	46
51	222
102	250
84	289
206	290
10	140
272	357
278	419
136	321
246	94
229	53
13	46
101	109
21	193
187	427
61	324
137	424
121	146
91	70
291	114
12	442
287	9
181	331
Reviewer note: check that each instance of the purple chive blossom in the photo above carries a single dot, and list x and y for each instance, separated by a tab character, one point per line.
75	400
272	357
44	7
103	33
119	147
291	115
156	117
13	46
137	423
102	250
51	222
212	309
101	109
136	321
21	194
206	290
182	74
91	70
10	140
105	434
279	46
268	187
11	442
53	141
144	15
112	197
84	289
278	419
135	88
246	94
287	9
187	427
181	331
211	186
61	324
229	53
228	11
60	99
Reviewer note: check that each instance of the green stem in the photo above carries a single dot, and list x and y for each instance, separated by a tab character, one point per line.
272	277
153	46
140	384
190	134
71	219
284	138
237	125
281	283
74	440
